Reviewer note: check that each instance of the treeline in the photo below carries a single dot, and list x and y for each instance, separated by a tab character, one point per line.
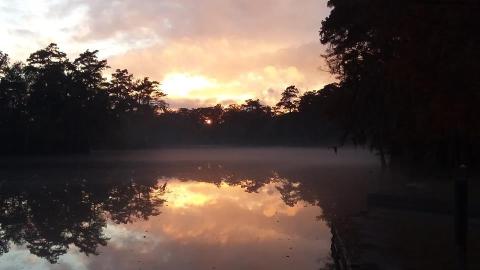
408	78
251	123
53	105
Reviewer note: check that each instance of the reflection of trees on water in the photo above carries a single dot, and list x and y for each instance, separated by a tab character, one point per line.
127	203
50	212
49	216
337	193
340	195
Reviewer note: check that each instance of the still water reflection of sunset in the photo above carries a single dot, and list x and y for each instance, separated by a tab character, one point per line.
180	209
221	227
204	225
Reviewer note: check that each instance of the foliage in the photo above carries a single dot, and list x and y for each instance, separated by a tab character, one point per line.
52	105
408	71
250	123
49	217
288	101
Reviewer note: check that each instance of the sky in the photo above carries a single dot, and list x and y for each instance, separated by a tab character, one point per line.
203	52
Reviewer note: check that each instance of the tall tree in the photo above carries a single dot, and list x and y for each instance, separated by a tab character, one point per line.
91	91
50	91
149	94
404	62
289	101
121	90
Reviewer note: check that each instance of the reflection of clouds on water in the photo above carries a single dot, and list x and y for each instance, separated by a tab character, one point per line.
205	218
205	224
229	214
121	237
20	258
198	194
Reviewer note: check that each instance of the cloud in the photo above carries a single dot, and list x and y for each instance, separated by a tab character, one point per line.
229	71
246	49
282	19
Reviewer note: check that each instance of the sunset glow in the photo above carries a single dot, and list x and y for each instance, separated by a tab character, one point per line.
181	85
211	225
185	195
202	52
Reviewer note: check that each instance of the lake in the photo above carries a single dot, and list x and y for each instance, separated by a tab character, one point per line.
203	208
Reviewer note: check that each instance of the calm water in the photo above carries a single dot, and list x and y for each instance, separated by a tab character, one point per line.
179	209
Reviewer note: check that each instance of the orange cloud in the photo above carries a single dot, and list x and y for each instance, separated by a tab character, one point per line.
220	70
225	50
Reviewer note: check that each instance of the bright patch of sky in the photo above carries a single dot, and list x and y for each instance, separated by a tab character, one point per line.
203	52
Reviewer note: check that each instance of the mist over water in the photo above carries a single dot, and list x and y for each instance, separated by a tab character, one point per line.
202	208
293	156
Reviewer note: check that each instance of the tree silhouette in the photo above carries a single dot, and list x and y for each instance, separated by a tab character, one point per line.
289	100
387	56
49	215
93	110
54	105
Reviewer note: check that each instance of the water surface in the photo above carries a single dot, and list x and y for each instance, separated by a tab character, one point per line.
178	209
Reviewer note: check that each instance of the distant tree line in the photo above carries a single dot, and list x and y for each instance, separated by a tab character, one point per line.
53	105
408	78
251	123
